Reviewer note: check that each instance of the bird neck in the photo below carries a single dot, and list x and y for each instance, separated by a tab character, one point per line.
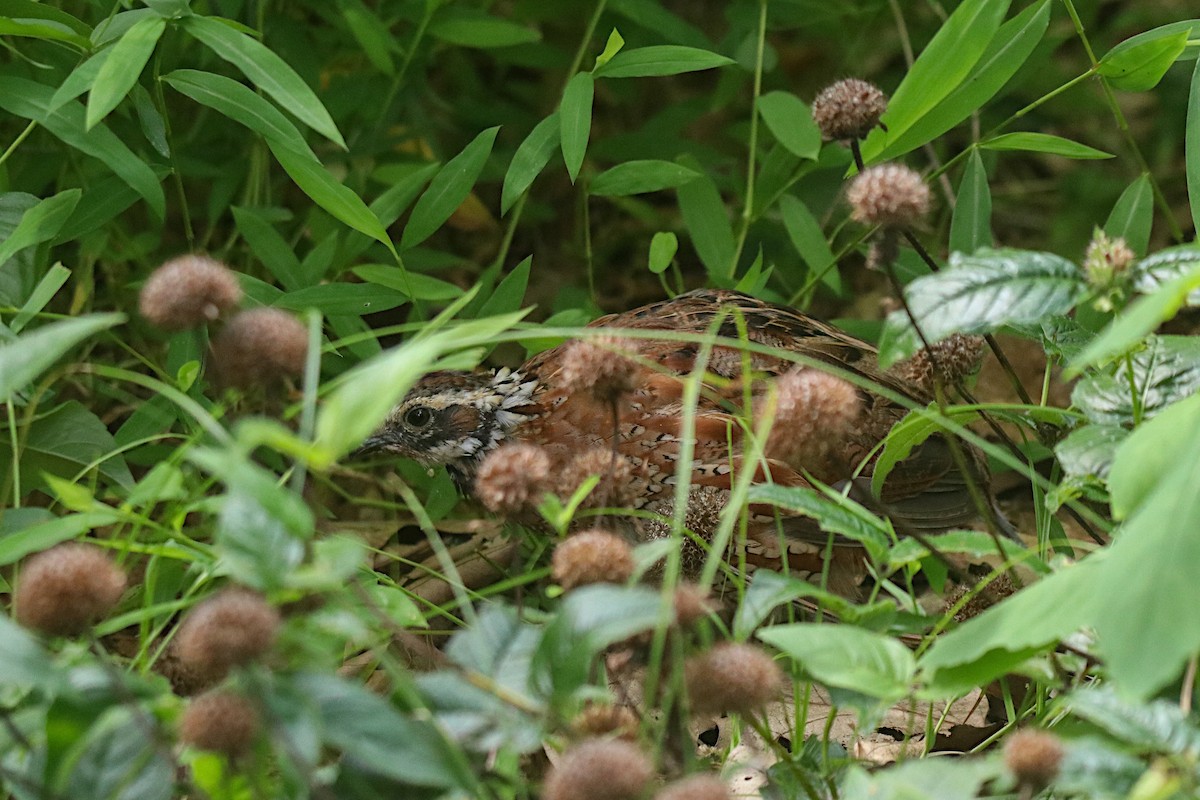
506	405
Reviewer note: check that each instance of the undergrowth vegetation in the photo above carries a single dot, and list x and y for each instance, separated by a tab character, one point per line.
205	595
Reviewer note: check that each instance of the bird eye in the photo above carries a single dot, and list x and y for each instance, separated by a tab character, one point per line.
418	417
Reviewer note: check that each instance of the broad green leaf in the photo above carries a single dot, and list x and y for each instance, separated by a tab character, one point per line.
1133	215
1189	26
470	29
1191	146
510	293
1159	269
1005	54
265	70
904	436
1043	143
448	189
42	29
971	225
334	299
27	10
40	223
1137	321
412	284
121	69
19	538
63	443
341	202
942	66
790	122
805	234
240	103
575	121
529	160
1139	67
118	759
707	221
33	101
837	515
640	177
270	247
644	62
1150	454
976	544
847	657
1166	370
980	293
1156	726
1088	451
371	33
23	659
23	360
80	80
663	247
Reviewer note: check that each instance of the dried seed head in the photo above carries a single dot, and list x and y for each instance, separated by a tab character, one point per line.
813	415
602	720
891	195
695	787
616	486
599	769
732	677
692	604
599	367
188	291
232	628
1106	259
221	721
591	556
1034	757
260	346
513	478
954	358
982	600
63	590
848	109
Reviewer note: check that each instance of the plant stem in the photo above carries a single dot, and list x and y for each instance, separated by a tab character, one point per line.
752	156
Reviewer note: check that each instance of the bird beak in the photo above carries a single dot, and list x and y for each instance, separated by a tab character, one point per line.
372	444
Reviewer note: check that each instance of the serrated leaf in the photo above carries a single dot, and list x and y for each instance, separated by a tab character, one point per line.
1133	215
121	68
980	293
531	157
448	189
575	121
640	177
645	62
1043	143
971	225
1088	451
790	122
1139	67
1167	370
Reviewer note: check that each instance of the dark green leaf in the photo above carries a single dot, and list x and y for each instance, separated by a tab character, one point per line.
805	234
239	103
640	177
980	293
1139	67
371	33
41	223
48	30
1043	143
470	29
66	442
509	295
837	515
791	123
23	360
660	60
32	9
1132	215
531	158
575	121
265	70
119	72
767	591
707	221
334	299
971	225
341	202
269	247
448	189
411	284
120	762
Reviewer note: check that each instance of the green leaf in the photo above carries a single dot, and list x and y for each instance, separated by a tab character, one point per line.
575	121
707	221
837	514
1140	66
23	360
41	223
529	160
448	189
1006	53
805	234
118	760
270	248
65	442
23	659
1148	456
613	46
1137	321
904	436
1191	146
341	202
509	295
942	66
121	69
42	294
971	225
333	299
240	103
33	9
1043	143
1155	271
411	284
1132	215
20	537
1166	370
472	29
371	33
790	122
1189	26
33	101
640	177
47	30
645	62
1088	451
663	248
265	70
1156	726
980	293
847	657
